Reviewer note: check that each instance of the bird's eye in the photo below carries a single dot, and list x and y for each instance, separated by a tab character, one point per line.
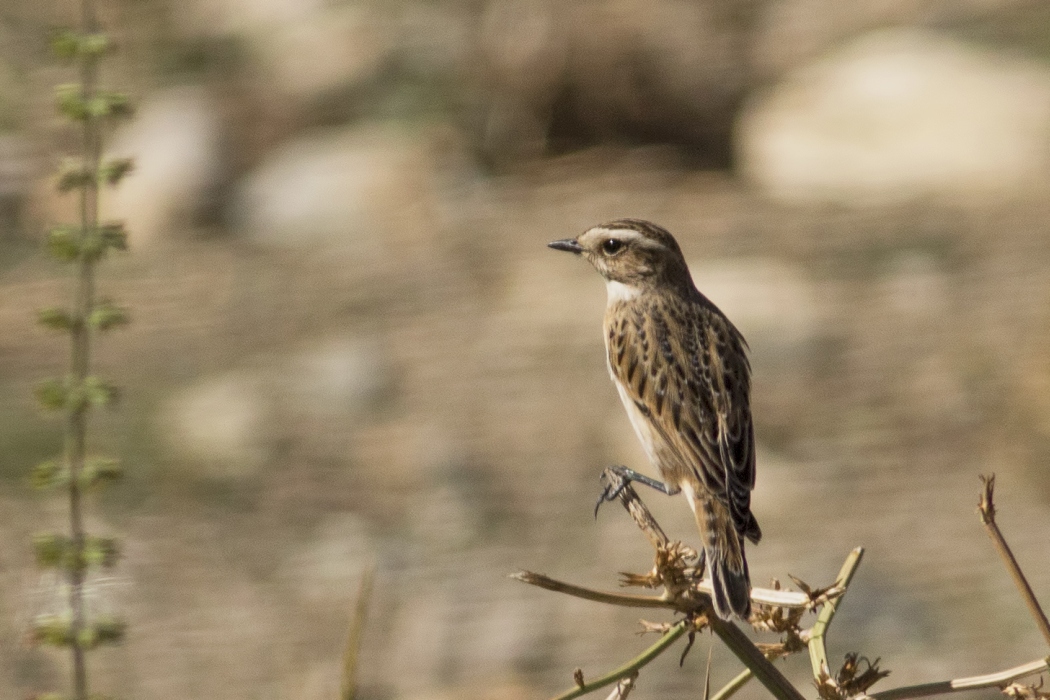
612	246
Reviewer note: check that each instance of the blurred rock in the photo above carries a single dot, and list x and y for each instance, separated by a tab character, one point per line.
244	17
341	376
174	141
900	114
786	34
569	75
665	71
351	193
524	46
220	424
324	52
230	425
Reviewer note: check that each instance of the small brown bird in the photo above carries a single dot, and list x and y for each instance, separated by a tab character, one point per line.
682	372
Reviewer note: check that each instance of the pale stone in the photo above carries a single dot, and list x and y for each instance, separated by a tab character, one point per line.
348	193
220	424
174	141
896	115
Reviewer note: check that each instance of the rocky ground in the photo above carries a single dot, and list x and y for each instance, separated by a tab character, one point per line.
351	345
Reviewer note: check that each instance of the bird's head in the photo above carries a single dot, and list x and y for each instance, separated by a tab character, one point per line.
636	254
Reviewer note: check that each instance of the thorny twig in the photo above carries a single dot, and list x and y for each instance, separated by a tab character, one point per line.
676	573
1002	680
776	611
986	508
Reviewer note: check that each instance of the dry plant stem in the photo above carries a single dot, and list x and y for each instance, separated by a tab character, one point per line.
631	667
1000	679
730	634
80	362
353	643
987	510
766	596
818	653
621	599
637	509
843	580
763	669
623	688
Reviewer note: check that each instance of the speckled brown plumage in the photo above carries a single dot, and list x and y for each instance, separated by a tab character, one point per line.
682	372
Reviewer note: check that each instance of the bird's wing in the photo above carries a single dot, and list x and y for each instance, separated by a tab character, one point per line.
686	371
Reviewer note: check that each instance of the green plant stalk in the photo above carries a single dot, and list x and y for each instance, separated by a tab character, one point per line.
353	642
632	666
763	669
818	653
730	688
80	361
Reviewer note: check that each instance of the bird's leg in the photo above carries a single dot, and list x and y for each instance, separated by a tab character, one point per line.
614	487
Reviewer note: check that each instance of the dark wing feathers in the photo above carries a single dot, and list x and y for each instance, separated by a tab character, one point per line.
689	367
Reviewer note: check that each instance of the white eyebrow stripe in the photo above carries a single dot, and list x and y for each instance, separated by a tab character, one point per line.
626	235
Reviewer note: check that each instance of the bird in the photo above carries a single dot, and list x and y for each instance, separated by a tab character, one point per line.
682	371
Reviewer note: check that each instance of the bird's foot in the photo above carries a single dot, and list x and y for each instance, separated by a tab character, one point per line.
617	477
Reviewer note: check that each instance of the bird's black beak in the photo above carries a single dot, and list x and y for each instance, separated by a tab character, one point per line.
569	245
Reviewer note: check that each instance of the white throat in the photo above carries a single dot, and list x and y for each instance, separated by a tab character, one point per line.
618	291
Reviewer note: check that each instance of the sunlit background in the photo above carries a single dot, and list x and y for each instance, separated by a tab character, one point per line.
350	344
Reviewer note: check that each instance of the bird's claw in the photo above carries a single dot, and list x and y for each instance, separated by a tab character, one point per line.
612	489
609	493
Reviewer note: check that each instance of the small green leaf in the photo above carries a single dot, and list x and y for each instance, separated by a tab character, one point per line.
54	630
101	551
112	236
94	44
65	44
103	630
106	316
114	170
99	392
110	629
48	475
51	549
109	104
63	243
99	470
74	175
52	394
71	102
55	319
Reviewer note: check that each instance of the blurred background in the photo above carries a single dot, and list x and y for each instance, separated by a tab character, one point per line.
351	345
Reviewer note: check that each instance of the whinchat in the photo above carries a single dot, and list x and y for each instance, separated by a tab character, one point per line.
682	372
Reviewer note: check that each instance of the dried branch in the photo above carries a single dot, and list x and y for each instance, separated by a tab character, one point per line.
623	688
765	596
986	508
621	599
1000	680
796	639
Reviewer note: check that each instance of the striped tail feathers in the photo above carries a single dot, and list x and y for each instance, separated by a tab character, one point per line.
724	552
731	587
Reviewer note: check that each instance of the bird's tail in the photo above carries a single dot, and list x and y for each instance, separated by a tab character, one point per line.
731	587
724	552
